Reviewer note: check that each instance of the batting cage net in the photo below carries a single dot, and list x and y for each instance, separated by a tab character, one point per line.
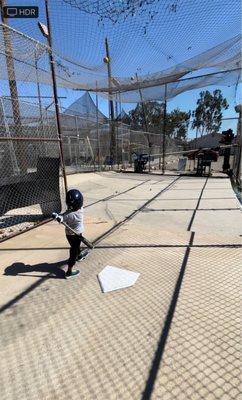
117	108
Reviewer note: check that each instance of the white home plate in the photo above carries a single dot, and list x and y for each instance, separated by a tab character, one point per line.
113	278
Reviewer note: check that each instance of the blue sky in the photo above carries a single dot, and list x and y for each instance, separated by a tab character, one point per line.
171	38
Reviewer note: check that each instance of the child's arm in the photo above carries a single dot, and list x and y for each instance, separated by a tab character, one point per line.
59	218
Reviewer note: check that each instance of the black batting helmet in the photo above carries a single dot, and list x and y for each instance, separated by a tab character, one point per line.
74	199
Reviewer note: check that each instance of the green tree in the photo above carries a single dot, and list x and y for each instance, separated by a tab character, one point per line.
150	114
208	114
176	122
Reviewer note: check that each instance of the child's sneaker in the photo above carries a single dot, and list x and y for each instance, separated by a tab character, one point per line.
84	254
72	274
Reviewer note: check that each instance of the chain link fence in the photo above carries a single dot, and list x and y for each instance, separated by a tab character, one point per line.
28	152
30	193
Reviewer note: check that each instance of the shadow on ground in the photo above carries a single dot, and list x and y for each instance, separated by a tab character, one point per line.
53	270
11	220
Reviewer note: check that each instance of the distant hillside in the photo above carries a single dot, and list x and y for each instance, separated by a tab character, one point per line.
210	140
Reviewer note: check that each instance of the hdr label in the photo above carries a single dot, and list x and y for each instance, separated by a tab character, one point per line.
20	12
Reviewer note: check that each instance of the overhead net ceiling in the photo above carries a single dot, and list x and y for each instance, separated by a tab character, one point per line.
160	41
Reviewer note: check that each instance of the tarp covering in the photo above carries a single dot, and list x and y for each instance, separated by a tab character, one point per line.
86	108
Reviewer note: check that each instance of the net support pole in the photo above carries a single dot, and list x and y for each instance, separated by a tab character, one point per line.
76	158
91	151
117	130
195	146
77	147
237	152
39	100
70	149
162	136
164	132
56	100
122	133
98	138
161	140
111	105
144	115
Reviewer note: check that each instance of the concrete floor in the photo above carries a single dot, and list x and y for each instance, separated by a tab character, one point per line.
174	335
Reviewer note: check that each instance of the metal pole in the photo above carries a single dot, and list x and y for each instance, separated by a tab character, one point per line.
77	133
38	90
142	103
31	139
196	138
77	148
164	132
70	149
117	130
76	155
116	106
121	125
237	152
144	116
161	144
91	150
98	139
160	149
111	106
94	161
123	166
20	150
52	66
40	103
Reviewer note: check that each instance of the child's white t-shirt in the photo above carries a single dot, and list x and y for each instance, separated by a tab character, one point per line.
75	219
